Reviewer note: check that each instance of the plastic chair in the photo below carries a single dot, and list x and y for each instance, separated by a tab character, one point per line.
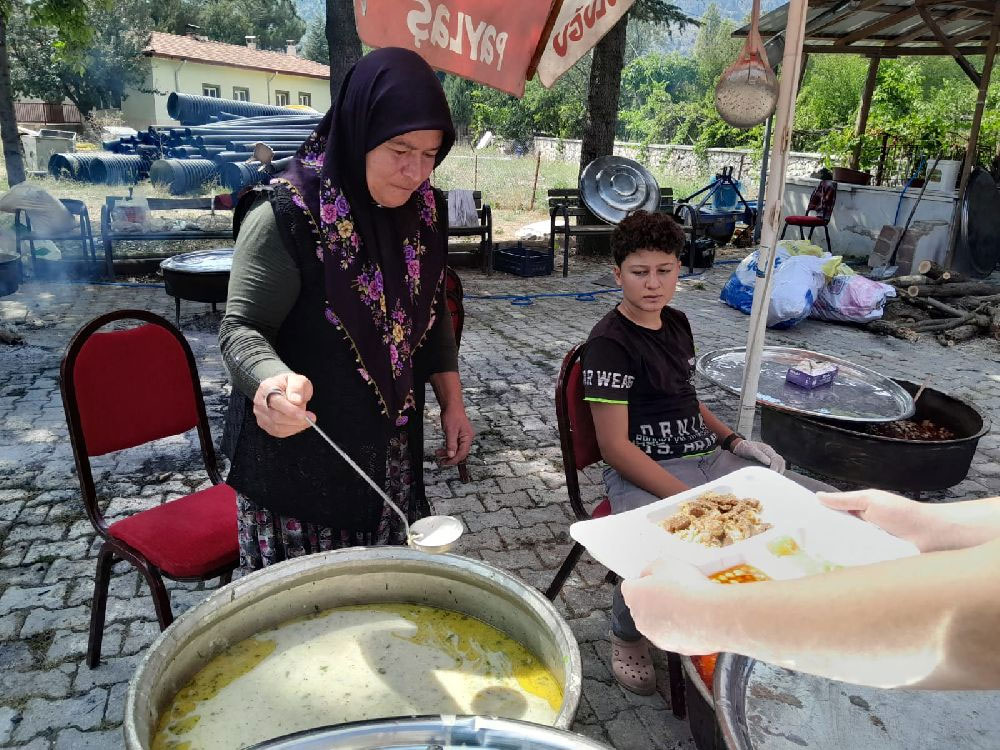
822	201
453	297
580	449
124	388
81	233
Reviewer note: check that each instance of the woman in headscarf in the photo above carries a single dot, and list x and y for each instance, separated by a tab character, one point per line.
336	312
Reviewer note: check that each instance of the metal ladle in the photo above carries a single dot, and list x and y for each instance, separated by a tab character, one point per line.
747	93
432	534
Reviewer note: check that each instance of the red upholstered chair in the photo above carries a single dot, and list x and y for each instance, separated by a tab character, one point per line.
124	388
821	204
454	298
579	450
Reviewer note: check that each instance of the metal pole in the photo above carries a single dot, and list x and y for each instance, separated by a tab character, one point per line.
977	120
763	179
861	125
791	69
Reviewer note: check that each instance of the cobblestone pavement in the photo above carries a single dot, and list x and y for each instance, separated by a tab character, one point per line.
515	509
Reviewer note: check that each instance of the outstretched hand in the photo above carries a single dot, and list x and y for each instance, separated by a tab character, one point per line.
670	604
906	519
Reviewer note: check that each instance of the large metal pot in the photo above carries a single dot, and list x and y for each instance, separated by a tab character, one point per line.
304	585
842	451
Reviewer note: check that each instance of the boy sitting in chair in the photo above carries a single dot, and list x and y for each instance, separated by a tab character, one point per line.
654	435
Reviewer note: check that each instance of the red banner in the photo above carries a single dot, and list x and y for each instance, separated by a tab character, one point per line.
484	40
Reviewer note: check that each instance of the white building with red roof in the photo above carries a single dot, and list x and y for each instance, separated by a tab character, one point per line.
190	65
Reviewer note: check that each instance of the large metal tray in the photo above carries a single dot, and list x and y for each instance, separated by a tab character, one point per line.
612	187
856	395
764	707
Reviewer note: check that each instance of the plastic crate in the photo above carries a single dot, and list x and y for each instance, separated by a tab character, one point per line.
523	261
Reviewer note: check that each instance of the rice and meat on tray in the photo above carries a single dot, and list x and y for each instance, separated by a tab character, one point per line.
717	520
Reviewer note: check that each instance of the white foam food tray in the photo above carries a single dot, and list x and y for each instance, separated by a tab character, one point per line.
628	542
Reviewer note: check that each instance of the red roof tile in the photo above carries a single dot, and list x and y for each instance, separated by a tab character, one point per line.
232	55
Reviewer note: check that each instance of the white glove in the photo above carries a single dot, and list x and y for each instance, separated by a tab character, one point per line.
762	453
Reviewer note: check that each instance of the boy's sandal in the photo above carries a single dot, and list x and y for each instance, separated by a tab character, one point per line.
632	665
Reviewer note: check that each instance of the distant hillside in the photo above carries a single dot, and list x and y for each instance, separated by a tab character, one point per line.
310	9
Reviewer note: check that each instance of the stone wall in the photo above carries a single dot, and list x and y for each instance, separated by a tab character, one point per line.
682	161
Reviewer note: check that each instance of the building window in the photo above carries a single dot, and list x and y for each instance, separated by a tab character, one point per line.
305	99
210	89
281	98
241	94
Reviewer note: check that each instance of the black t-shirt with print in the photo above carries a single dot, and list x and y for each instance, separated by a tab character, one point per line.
653	373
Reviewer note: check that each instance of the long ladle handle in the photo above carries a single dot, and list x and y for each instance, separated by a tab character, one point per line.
361	472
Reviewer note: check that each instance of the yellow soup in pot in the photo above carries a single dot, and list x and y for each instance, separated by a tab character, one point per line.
353	664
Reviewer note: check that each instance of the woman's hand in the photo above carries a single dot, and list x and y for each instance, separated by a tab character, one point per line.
280	404
458	434
671	605
906	519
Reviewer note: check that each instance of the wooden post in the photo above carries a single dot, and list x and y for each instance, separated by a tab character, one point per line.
866	104
784	120
534	185
977	121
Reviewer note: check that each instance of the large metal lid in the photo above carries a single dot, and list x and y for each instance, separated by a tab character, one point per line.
612	187
201	261
764	707
857	394
440	732
978	248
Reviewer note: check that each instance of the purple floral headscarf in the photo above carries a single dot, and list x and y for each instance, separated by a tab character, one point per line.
383	266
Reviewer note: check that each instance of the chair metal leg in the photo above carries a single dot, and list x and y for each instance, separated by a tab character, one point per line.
463	473
802	234
811	230
177	311
99	604
826	230
675	677
225	578
783	230
566	251
567	567
161	599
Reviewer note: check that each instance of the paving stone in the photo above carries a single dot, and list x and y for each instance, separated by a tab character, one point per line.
501	519
67	645
39	621
668	732
8	720
605	698
114	713
50	597
70	570
9	625
74	739
76	549
627	732
15	686
17	655
84	712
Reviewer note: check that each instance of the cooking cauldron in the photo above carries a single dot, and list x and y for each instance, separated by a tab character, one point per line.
844	451
10	274
276	594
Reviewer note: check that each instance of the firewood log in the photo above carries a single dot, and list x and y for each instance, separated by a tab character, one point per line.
955	335
964	289
939	274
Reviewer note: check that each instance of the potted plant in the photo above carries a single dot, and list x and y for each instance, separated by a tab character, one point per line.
839	148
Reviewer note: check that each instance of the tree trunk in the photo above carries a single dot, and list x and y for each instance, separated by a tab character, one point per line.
342	38
12	153
602	115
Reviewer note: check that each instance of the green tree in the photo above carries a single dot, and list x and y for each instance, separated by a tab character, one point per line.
273	22
831	91
92	77
69	16
314	46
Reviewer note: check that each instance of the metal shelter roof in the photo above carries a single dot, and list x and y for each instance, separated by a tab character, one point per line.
890	28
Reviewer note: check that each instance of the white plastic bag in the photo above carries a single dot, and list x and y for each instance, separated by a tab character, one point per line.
798	280
852	299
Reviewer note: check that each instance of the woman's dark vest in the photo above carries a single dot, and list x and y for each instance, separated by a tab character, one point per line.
301	475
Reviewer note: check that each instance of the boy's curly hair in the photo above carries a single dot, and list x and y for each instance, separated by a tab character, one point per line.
643	230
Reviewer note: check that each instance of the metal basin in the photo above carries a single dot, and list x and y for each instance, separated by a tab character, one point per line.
304	585
434	732
842	451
